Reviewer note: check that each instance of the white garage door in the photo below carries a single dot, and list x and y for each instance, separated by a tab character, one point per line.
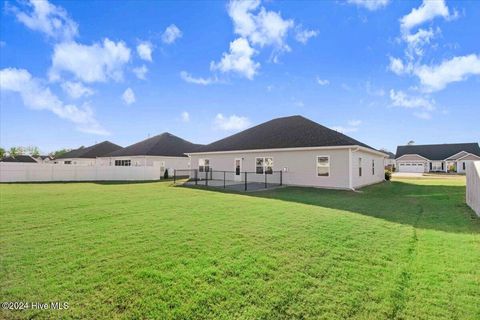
410	167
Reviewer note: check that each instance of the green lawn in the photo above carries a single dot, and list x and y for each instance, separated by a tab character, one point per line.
409	249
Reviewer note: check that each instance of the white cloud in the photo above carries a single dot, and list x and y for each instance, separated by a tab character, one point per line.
231	123
238	59
435	78
187	77
322	82
371	5
303	35
185	116
144	50
128	96
429	10
53	21
401	99
354	123
37	96
76	89
171	34
397	66
344	129
95	63
141	72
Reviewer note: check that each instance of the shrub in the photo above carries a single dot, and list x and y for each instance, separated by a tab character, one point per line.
165	174
388	175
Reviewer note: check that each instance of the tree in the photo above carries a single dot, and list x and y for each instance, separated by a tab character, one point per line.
59	153
2	152
411	142
15	151
32	150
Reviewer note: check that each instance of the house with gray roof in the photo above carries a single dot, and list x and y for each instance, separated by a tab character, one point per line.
165	150
307	154
451	157
87	156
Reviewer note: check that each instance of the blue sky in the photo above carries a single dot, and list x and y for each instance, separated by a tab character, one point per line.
384	72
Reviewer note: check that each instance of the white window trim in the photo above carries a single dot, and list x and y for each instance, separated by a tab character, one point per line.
264	164
204	164
316	166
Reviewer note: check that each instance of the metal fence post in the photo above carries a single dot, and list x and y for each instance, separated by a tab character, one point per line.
206	178
265	174
281	177
174	176
224	173
196	176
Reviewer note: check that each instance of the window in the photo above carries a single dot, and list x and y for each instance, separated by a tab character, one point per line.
323	166
204	165
67	162
264	165
259	165
360	167
463	165
373	167
123	163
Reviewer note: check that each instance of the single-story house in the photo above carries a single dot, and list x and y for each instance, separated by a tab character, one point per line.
87	156
451	157
19	159
166	150
307	154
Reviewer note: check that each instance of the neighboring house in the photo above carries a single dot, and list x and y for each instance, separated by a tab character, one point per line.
307	153
390	160
166	150
44	159
19	158
87	156
436	157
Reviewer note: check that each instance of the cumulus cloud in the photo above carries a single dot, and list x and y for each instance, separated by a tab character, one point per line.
303	35
427	11
185	116
401	99
141	72
231	123
371	5
94	63
437	77
37	96
76	89
187	77
171	34
128	96
417	41
238	59
51	20
144	50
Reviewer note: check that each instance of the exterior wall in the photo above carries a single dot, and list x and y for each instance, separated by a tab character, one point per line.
369	176
169	163
466	160
26	172
299	167
473	186
77	161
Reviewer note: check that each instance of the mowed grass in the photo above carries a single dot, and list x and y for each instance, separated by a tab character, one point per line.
408	249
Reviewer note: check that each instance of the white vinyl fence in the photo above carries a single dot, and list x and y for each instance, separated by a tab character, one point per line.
473	186
31	172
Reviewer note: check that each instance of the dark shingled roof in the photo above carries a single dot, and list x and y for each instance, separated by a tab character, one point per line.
165	144
97	150
288	132
19	158
438	151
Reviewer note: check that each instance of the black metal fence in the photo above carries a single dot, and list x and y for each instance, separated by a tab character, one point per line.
235	180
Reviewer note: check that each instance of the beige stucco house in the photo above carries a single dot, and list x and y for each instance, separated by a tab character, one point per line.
165	150
307	153
453	157
87	156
